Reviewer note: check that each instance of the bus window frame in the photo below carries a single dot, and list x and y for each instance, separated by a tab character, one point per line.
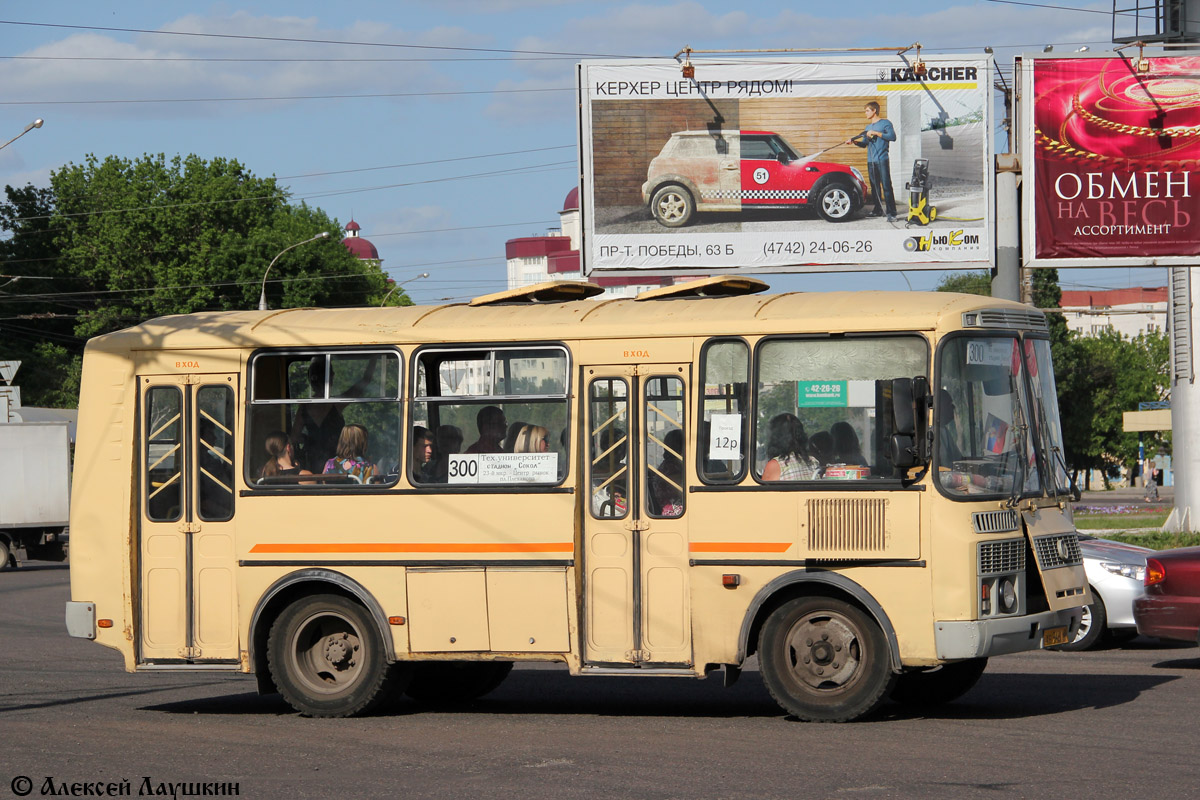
701	447
319	488
824	483
413	397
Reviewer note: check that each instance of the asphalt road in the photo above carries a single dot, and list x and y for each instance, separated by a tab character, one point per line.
1110	723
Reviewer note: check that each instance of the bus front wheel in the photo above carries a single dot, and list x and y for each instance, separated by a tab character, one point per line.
327	658
824	660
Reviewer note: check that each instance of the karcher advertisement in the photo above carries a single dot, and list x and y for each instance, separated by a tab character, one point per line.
792	165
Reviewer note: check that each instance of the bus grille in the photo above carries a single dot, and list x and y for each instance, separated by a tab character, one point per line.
847	524
1005	318
996	558
1060	550
995	521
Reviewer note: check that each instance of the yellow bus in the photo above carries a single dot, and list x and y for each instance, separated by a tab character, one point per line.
864	491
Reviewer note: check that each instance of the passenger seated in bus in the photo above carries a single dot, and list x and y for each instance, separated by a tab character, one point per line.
492	424
351	457
820	447
422	454
787	451
666	485
281	458
532	439
318	426
846	449
510	436
449	442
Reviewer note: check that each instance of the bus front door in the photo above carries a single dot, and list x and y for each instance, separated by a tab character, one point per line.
635	559
187	609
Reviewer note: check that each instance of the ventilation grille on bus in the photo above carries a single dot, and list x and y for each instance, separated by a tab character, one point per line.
1000	521
997	558
847	524
1005	318
1060	550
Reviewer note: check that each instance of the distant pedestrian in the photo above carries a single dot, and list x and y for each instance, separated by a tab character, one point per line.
1149	480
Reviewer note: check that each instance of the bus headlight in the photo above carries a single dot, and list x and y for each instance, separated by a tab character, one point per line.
1008	596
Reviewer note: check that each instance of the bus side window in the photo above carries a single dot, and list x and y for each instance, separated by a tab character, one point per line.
724	411
310	396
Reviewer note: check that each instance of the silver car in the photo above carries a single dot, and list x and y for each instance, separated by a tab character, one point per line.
1115	571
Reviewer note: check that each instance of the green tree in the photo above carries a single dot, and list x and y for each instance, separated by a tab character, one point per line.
117	241
966	283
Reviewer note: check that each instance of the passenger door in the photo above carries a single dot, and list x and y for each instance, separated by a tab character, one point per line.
635	560
188	608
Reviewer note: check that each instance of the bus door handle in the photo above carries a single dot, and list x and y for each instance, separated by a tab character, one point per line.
189	527
637	525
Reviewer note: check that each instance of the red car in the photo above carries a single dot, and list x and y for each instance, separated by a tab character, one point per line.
1170	608
738	170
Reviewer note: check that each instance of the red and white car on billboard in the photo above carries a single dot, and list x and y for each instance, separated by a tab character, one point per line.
737	170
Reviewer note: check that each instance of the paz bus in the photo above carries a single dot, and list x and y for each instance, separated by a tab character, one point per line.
865	491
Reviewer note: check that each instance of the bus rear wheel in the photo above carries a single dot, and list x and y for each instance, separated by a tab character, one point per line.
327	658
824	660
452	682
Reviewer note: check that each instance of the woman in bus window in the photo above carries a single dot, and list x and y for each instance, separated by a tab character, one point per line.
532	439
846	449
281	459
351	458
787	451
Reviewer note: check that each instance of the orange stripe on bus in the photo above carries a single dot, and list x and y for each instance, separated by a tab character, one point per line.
739	547
417	547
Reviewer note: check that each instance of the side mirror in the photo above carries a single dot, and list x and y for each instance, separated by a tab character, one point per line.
903	452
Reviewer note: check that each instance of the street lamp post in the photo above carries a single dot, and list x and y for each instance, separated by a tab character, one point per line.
398	285
262	297
37	123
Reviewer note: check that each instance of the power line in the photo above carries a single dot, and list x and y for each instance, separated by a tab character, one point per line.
280	97
299	40
426	163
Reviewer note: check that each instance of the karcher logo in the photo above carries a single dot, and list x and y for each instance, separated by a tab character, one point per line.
933	74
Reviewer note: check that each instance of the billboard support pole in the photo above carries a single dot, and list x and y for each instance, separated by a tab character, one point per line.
1185	399
1006	280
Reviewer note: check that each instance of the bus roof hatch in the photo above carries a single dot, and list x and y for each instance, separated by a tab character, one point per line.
716	286
548	292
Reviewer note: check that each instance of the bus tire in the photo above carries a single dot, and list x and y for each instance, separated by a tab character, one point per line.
327	658
824	660
440	683
5	553
940	685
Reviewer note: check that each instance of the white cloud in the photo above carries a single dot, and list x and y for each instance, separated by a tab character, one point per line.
155	67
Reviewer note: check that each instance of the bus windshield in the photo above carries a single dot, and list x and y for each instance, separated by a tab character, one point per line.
1049	439
983	416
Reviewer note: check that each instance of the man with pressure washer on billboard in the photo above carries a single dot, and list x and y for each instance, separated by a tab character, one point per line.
876	137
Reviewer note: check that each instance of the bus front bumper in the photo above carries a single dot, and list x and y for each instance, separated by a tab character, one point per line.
959	639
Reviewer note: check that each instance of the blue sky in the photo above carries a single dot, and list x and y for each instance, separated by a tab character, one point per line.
443	128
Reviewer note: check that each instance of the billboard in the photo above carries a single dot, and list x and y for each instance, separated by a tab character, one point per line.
1113	151
778	166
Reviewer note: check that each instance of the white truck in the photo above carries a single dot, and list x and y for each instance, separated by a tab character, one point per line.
35	491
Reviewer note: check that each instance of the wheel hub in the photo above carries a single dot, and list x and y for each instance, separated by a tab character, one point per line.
824	652
339	651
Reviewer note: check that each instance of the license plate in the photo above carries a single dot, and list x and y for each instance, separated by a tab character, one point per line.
1053	636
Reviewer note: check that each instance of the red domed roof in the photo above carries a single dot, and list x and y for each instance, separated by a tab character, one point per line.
360	247
572	201
353	226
